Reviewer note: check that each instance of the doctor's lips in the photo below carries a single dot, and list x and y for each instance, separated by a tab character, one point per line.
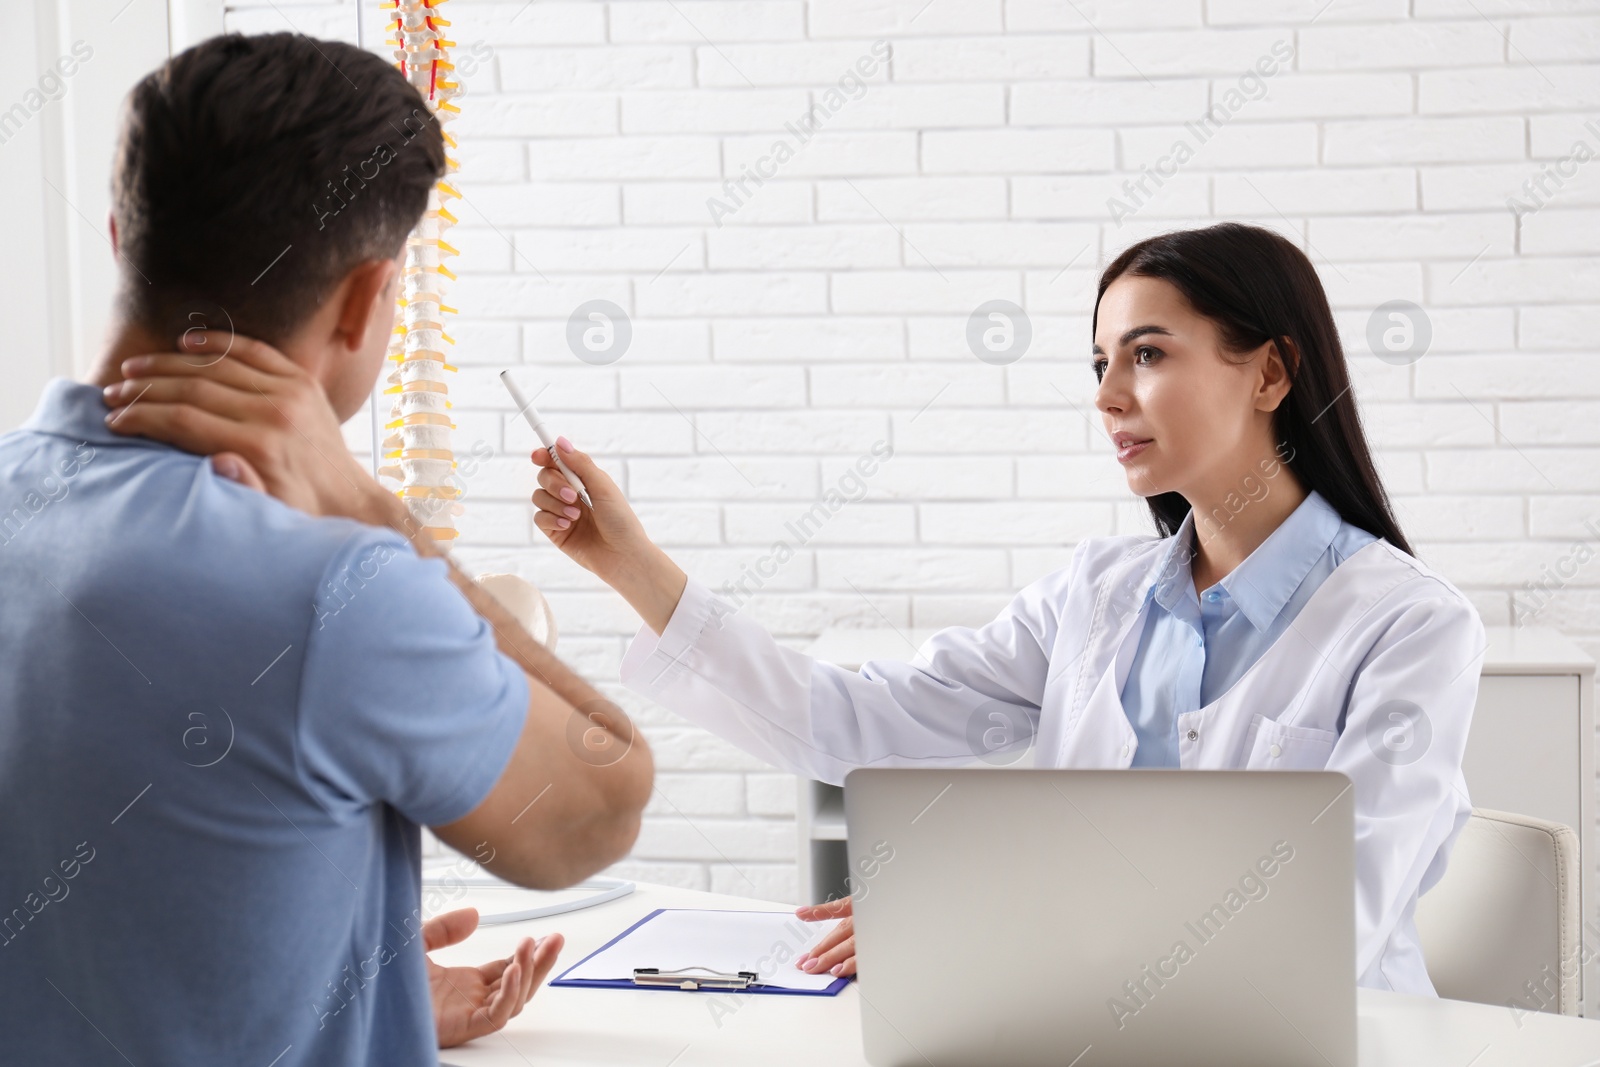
1129	445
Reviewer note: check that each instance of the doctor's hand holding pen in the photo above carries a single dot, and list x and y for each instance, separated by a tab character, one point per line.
606	538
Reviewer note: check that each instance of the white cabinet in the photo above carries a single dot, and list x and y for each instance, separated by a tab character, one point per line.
1531	751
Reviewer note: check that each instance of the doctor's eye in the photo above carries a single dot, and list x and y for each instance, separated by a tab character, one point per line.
1099	366
1139	353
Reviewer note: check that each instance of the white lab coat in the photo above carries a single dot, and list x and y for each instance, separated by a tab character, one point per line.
1381	628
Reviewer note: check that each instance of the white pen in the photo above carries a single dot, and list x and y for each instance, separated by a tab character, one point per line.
548	439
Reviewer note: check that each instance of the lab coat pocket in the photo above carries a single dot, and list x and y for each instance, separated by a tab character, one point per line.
1289	748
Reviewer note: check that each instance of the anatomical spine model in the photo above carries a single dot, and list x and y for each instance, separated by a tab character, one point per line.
419	349
420	418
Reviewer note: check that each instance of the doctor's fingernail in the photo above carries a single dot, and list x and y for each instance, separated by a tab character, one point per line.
563	523
837	968
564	444
568	495
135	364
571	513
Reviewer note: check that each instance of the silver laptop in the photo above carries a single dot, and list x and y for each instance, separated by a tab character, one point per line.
1104	918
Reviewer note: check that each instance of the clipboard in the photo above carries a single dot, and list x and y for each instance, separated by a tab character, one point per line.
708	951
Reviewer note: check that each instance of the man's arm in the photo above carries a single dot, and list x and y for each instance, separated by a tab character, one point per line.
509	634
569	800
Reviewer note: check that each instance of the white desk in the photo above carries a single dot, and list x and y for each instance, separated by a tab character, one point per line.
659	1028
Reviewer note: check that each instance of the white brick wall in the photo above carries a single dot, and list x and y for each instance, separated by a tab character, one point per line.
828	310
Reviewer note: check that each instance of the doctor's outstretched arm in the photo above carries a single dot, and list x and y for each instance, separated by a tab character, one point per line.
701	658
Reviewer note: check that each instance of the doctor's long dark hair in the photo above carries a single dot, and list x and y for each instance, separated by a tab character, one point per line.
1257	286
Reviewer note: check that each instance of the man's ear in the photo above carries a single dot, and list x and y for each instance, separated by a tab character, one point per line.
367	303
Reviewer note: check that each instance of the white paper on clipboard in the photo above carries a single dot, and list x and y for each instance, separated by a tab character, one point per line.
767	942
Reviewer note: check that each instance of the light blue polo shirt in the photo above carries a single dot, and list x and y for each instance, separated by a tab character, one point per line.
221	724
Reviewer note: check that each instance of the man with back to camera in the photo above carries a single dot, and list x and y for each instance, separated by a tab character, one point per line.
224	718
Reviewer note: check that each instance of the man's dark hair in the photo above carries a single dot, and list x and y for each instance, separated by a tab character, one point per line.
253	173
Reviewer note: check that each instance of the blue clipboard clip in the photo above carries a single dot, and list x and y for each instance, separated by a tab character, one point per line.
682	979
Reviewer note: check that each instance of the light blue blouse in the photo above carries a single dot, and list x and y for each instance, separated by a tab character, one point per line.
1193	648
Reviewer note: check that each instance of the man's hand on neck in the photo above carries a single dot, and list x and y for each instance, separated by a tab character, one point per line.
237	396
126	341
261	406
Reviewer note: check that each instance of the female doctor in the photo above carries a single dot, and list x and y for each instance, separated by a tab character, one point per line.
1278	621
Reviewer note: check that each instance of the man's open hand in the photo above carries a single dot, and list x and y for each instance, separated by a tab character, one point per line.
469	1002
255	411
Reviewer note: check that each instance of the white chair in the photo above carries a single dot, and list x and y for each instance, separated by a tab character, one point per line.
1503	926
